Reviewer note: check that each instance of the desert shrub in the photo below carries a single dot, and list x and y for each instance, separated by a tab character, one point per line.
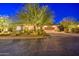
61	28
38	32
66	30
28	32
17	33
41	32
75	30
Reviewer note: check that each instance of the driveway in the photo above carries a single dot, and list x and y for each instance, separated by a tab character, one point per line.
58	44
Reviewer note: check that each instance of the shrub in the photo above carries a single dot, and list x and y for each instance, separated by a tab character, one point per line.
38	32
75	30
66	30
61	28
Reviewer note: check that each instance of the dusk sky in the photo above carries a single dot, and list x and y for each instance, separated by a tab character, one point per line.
60	10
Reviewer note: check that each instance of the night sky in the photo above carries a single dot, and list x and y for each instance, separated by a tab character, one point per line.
60	10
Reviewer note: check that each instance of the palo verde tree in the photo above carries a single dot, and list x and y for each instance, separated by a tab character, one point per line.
5	22
68	23
35	14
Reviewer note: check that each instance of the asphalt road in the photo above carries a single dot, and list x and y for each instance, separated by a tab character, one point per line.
58	44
